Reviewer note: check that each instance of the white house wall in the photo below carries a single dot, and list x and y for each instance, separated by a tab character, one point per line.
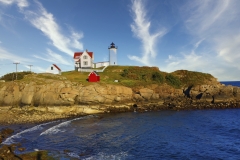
88	60
101	64
52	70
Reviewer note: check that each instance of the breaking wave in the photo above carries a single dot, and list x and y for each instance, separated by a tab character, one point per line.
56	129
10	140
53	130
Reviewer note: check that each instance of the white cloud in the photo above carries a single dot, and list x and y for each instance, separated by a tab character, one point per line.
20	3
38	69
204	16
141	29
53	58
46	23
216	23
6	55
191	61
35	69
198	43
65	41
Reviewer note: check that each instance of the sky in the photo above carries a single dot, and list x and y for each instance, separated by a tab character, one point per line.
193	35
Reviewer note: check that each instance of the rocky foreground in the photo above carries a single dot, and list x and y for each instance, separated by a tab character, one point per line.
7	151
49	99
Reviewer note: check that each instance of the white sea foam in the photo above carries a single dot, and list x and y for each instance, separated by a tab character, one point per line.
56	129
10	140
105	156
72	154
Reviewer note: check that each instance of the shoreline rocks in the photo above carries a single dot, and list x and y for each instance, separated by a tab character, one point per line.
31	102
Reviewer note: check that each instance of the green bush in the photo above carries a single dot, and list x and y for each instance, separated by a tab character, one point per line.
192	77
124	73
173	80
156	76
12	76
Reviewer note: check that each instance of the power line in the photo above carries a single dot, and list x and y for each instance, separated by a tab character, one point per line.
16	68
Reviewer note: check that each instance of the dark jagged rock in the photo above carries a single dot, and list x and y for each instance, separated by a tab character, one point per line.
6	132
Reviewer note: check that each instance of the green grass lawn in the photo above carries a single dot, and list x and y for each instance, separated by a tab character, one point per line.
130	76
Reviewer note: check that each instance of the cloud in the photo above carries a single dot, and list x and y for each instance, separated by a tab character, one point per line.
206	15
38	69
34	68
64	40
20	3
53	58
214	27
6	55
46	23
141	30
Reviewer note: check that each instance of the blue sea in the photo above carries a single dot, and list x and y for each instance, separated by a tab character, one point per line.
233	83
195	134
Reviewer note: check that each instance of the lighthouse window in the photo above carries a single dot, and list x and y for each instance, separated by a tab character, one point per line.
51	68
84	57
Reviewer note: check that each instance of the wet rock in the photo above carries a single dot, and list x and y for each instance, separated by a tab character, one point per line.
6	132
21	149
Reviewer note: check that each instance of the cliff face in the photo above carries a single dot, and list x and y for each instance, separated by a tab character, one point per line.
45	99
61	93
67	93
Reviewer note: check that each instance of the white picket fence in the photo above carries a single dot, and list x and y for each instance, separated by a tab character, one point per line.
90	70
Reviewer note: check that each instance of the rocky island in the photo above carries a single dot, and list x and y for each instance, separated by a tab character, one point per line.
45	97
37	98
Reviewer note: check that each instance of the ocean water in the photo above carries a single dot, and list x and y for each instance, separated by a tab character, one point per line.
195	134
233	83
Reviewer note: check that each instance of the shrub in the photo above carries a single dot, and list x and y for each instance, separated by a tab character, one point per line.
156	76
146	74
124	73
173	80
12	76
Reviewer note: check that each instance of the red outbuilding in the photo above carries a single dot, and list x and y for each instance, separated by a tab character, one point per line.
93	77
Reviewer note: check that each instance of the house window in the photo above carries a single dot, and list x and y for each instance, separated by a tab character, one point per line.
51	68
85	63
84	57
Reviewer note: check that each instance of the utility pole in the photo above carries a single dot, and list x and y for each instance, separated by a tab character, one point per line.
16	68
30	67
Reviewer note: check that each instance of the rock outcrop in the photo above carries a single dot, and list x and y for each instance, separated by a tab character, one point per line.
66	98
61	93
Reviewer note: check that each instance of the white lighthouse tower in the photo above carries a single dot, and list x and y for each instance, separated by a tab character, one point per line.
112	54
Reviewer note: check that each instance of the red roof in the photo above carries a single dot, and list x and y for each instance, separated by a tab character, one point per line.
79	54
56	67
94	72
93	77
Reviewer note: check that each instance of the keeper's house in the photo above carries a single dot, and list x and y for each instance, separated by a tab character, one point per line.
85	60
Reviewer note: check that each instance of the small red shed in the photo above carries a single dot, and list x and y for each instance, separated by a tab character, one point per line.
93	77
